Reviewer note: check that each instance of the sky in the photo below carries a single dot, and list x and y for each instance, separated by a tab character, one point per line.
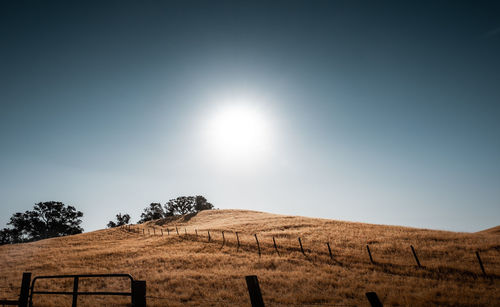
383	112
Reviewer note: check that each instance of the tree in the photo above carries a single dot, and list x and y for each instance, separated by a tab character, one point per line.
120	220
187	204
153	212
201	204
181	205
46	220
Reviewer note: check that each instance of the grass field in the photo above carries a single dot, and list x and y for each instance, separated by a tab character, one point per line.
186	269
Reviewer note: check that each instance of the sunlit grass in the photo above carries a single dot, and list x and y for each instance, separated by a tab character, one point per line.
189	270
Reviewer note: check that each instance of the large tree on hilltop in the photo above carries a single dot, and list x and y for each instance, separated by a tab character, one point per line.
201	203
180	205
187	204
46	220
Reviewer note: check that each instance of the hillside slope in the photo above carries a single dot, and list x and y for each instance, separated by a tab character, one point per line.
188	269
492	230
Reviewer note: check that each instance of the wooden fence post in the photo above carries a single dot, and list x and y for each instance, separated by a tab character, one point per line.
276	247
223	239
415	255
370	254
139	293
196	232
480	263
238	240
301	248
208	231
177	229
258	245
75	292
373	299
329	250
25	290
254	291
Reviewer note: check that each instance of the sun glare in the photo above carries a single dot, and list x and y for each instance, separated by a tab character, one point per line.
239	133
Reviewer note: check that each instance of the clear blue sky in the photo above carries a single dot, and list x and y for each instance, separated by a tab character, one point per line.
380	112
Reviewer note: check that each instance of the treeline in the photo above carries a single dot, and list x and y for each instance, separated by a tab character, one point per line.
178	206
54	219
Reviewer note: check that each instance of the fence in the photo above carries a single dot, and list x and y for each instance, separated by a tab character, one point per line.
137	293
328	252
137	289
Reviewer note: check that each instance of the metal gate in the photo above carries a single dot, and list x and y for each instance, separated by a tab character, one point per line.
137	291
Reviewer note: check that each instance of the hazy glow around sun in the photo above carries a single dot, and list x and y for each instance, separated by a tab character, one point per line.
239	133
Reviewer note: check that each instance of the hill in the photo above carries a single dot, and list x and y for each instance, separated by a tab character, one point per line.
188	269
492	230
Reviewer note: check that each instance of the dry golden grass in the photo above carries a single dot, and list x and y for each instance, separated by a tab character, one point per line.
189	270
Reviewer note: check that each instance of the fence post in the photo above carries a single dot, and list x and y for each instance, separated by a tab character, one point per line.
177	229
258	245
168	231
196	232
373	299
237	239
254	291
208	231
370	254
223	239
139	293
480	263
25	290
415	255
301	248
185	231
329	250
276	247
75	292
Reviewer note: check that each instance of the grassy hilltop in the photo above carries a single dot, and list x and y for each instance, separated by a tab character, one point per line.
186	269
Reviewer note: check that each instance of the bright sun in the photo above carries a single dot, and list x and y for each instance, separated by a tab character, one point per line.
239	133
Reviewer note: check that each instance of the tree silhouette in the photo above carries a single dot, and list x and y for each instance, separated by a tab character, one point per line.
153	212
201	204
187	204
120	220
181	205
46	220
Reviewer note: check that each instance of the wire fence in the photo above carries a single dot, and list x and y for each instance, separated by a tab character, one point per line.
313	249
